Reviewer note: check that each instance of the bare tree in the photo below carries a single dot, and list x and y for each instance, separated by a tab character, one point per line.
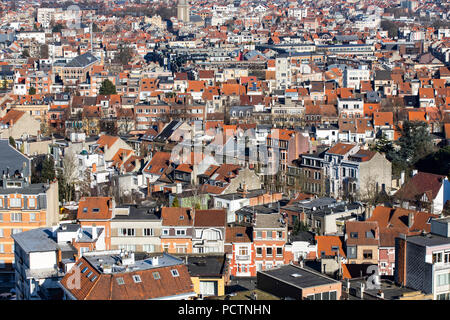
69	174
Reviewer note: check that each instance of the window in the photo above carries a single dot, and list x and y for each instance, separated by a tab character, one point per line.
279	251
181	232
126	232
120	281
447	257
89	274
174	272
15	202
93	278
1	233
156	275
95	210
32	217
367	254
2	248
354	235
14	231
279	234
351	252
165	232
243	251
269	251
437	257
148	248
259	251
16	217
333	295
1	202
84	270
148	232
85	210
258	235
137	278
269	234
31	202
1	216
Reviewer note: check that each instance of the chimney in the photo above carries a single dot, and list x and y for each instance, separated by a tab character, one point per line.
361	290
410	219
94	232
414	172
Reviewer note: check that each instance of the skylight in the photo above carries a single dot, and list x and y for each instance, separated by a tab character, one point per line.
174	272
120	281
137	278
296	275
156	275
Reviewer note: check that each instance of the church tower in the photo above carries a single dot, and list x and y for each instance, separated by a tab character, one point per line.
183	11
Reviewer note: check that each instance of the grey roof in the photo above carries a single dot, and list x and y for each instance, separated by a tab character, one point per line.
36	188
269	221
137	213
306	279
13	159
204	266
36	240
81	61
429	240
383	75
168	130
239	195
164	260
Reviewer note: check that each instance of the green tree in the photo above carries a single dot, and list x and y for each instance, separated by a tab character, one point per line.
176	202
414	143
57	28
25	53
12	142
383	145
299	226
390	27
124	55
32	91
437	162
107	88
48	169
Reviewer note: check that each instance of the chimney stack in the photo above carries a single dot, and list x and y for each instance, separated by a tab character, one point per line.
410	219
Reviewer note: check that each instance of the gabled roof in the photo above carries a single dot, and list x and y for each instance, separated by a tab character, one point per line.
341	148
210	218
325	244
159	163
174	216
12	117
81	61
367	232
95	208
420	184
103	286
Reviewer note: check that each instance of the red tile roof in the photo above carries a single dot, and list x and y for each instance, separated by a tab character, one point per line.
95	208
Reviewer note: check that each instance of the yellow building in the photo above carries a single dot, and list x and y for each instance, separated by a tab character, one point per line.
208	274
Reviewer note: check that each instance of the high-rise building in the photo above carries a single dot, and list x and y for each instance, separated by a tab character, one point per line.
183	11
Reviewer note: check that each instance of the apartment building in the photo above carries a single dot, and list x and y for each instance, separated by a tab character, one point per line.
209	231
23	207
136	228
362	240
269	239
422	262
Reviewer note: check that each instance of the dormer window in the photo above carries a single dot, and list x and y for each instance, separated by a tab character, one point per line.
354	235
95	210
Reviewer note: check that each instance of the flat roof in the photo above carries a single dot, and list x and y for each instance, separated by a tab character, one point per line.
299	277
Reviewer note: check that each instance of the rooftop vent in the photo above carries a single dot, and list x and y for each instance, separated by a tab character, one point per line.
296	275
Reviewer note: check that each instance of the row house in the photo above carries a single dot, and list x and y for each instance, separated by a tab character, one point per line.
209	231
97	212
362	240
136	228
177	229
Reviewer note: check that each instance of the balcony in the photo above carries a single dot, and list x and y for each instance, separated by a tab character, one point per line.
242	258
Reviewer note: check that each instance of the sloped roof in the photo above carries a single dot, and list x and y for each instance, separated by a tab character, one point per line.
419	184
